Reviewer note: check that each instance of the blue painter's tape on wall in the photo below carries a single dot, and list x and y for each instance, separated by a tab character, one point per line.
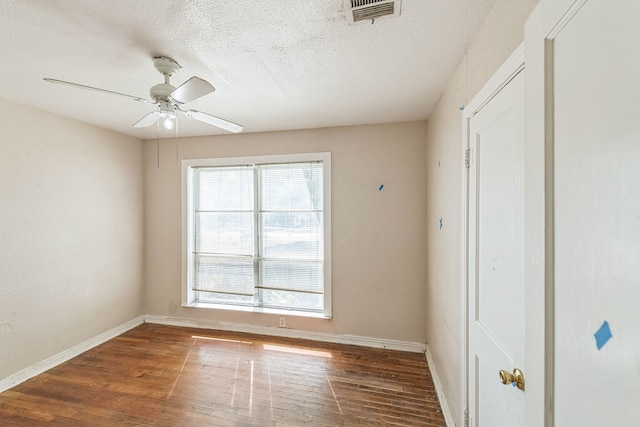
603	335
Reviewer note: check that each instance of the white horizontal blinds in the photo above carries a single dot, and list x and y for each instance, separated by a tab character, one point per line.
224	232
291	247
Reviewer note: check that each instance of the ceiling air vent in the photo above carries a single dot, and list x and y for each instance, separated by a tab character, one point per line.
359	11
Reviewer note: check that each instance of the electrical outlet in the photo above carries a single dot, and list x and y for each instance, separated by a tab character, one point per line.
283	322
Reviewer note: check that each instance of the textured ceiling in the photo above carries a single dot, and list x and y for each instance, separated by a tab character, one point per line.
276	64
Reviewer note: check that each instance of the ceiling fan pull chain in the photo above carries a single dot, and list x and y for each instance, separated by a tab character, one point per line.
177	144
158	141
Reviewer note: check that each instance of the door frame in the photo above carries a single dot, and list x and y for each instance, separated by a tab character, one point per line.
545	23
511	67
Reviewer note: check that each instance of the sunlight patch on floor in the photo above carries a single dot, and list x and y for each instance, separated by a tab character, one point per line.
288	349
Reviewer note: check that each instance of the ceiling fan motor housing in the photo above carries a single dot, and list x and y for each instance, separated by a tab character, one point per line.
161	91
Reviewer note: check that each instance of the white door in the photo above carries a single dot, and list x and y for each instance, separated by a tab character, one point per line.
596	80
496	261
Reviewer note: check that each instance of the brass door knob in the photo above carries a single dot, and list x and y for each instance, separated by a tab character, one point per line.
516	379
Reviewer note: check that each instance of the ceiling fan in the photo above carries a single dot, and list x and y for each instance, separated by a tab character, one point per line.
168	98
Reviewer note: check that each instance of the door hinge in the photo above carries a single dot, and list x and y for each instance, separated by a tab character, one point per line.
466	418
467	158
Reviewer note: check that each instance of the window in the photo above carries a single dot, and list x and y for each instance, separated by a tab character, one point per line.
257	233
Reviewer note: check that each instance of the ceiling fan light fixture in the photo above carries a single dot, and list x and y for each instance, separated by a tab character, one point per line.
167	114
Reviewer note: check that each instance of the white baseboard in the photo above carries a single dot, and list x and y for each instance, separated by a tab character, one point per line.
63	356
444	404
413	347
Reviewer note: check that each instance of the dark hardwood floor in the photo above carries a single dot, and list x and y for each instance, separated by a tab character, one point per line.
168	376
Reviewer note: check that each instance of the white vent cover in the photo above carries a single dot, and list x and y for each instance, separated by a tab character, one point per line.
369	11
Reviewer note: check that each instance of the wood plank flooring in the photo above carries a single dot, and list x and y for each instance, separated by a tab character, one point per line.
165	376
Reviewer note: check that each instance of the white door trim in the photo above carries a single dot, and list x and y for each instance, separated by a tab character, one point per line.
544	24
512	66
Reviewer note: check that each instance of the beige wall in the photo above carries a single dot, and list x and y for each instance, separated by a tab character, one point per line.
501	33
71	243
378	237
70	234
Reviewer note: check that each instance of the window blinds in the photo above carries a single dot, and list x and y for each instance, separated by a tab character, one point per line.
259	234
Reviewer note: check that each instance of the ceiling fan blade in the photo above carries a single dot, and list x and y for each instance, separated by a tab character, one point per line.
62	82
147	120
191	90
214	121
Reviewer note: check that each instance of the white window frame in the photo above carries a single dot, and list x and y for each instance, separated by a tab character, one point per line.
187	166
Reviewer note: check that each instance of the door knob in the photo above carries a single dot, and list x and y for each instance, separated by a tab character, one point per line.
516	379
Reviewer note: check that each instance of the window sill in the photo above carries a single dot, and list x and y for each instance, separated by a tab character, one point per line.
248	309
